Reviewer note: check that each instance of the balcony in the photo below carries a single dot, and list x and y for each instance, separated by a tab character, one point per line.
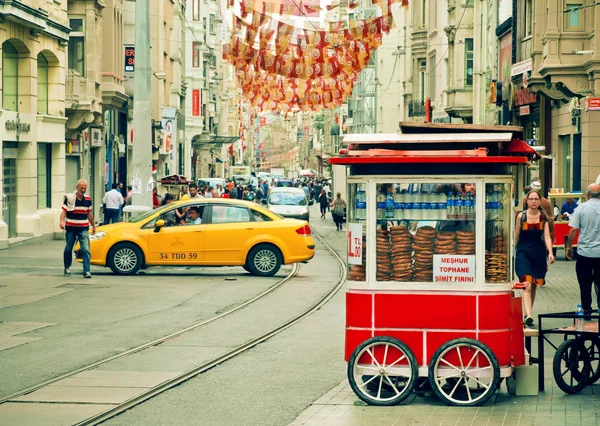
75	86
416	109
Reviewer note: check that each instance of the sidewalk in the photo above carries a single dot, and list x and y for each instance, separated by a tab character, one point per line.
340	406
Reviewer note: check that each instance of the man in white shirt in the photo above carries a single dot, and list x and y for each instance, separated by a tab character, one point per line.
113	200
586	220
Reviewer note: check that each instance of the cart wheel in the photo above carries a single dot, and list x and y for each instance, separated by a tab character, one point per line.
464	372
592	344
571	370
382	371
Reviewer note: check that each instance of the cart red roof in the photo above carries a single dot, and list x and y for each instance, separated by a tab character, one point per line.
435	144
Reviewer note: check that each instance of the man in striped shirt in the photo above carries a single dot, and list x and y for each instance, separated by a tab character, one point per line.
77	210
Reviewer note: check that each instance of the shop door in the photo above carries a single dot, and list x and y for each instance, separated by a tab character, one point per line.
9	191
72	173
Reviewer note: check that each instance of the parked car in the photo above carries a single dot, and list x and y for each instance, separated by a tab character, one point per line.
289	202
215	232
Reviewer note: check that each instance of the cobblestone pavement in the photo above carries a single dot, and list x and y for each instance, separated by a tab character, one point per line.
341	407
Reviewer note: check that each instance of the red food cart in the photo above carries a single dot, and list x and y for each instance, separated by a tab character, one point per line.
430	245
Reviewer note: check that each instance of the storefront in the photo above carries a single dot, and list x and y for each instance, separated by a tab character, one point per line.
32	169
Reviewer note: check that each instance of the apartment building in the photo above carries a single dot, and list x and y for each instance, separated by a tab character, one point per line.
33	44
168	88
555	87
210	131
84	153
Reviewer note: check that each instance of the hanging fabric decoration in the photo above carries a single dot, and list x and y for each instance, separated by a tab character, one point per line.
281	67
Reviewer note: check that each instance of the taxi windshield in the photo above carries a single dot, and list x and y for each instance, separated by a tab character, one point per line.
147	214
287	199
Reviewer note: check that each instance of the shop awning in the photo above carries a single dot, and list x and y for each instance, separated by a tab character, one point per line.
307	173
517	146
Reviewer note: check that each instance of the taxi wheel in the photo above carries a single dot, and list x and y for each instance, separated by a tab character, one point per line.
125	259
264	260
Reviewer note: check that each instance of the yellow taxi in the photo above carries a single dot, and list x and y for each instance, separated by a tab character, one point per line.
204	232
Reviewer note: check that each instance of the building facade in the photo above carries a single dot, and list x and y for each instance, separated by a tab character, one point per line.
33	45
84	150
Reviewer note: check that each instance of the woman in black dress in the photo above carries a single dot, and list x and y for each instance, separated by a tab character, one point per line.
323	203
533	246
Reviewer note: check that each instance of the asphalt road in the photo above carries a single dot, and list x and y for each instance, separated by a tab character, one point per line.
69	322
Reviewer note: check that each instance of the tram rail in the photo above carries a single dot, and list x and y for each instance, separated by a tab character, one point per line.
175	381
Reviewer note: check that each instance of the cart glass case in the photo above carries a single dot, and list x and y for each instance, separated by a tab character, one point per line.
441	232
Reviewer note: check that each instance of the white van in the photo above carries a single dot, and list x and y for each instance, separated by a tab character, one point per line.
211	182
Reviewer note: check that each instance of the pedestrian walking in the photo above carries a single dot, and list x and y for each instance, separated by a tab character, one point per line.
113	202
76	218
533	245
337	211
586	220
323	203
155	198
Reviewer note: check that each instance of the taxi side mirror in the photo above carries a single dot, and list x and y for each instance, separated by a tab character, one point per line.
159	224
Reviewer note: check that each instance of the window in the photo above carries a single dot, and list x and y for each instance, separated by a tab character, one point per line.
422	74
573	17
44	172
204	28
432	76
76	45
10	76
42	84
195	10
196	54
468	62
260	217
211	24
230	214
528	17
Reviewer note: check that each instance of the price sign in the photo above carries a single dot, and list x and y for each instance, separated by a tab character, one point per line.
355	243
453	268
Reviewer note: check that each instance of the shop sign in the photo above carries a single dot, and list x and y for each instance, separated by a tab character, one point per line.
593	104
17	126
505	60
524	110
453	268
524	97
129	58
196	103
521	68
355	243
96	137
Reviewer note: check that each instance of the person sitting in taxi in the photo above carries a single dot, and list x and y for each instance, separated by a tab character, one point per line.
194	213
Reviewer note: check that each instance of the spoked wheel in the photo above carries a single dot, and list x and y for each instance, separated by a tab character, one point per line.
592	344
382	371
571	366
464	372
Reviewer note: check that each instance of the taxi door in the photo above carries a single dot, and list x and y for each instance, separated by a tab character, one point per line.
177	245
226	235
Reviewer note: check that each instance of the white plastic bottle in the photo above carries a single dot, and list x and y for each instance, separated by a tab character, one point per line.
398	206
579	321
443	206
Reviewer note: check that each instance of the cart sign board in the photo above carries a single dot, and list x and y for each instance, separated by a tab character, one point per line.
453	268
355	242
